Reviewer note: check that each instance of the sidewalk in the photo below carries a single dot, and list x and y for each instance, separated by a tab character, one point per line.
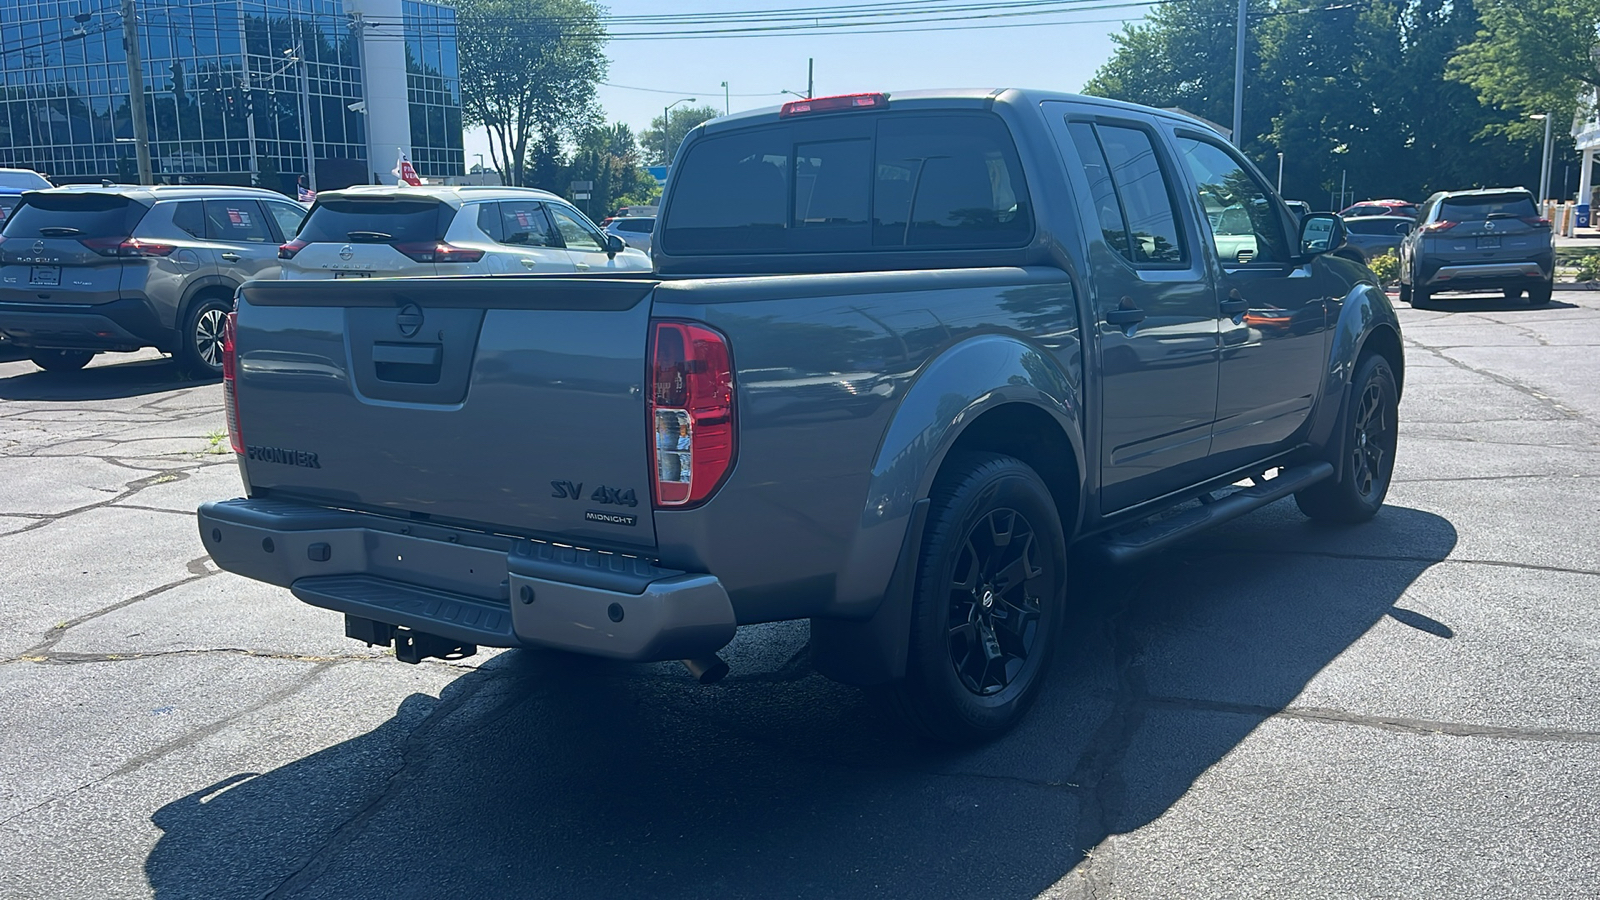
1581	237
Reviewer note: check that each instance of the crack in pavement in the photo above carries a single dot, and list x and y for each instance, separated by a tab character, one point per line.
1210	552
130	489
1541	398
1402	724
188	739
54	658
198	570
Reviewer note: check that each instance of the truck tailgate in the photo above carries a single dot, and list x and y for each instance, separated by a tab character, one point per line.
508	404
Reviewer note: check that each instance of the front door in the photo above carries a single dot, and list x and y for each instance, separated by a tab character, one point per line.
585	244
1273	307
1155	308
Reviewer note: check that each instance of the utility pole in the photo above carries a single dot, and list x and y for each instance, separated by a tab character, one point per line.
297	54
1545	162
1238	74
811	70
141	128
1280	173
359	24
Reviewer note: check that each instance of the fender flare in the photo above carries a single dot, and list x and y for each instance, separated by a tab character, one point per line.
863	639
1364	312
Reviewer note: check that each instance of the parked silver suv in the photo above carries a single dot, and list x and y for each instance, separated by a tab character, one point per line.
85	269
1479	240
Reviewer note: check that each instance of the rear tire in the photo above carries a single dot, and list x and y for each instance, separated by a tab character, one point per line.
988	604
1420	298
1539	295
1367	436
200	351
62	360
1405	292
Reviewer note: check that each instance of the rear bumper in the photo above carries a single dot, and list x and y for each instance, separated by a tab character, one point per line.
473	588
1469	276
118	325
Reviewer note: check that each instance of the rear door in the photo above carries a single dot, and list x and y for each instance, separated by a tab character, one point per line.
242	241
1155	310
64	247
525	238
514	405
369	237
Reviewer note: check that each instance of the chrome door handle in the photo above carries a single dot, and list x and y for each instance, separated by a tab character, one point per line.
583	265
530	263
231	256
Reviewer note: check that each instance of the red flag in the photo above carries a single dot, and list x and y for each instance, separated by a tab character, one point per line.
404	171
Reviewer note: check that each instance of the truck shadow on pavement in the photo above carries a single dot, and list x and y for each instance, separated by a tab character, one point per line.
546	775
1453	303
103	382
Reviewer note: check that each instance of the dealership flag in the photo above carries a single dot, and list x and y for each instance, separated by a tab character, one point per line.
305	196
404	171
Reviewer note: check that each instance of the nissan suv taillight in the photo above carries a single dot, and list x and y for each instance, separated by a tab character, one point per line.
691	412
230	373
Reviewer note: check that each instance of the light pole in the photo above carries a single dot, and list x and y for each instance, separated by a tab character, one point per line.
1238	74
727	104
295	55
1280	173
1544	157
141	128
666	132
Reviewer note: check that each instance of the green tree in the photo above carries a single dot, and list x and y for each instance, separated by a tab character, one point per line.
609	158
1532	56
528	75
659	148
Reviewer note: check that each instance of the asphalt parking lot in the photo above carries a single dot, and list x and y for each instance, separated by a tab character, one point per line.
1409	708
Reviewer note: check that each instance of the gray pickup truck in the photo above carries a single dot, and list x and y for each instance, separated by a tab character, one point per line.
901	359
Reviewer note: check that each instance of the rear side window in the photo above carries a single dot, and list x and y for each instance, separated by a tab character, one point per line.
236	222
376	221
524	223
75	216
1487	206
1134	201
838	185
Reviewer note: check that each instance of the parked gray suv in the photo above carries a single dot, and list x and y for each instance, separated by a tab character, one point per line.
85	270
1491	239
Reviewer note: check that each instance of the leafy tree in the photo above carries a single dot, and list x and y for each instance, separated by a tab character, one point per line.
528	75
660	149
1532	56
608	157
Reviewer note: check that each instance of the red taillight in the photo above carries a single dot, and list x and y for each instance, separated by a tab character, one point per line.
1536	222
1435	227
230	388
124	246
438	252
691	412
833	104
287	251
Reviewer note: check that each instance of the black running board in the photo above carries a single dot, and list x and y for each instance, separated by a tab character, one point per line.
1124	547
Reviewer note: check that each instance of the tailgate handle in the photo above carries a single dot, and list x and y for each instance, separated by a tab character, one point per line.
408	363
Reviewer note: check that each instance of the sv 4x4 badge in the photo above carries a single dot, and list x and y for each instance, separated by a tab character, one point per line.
566	490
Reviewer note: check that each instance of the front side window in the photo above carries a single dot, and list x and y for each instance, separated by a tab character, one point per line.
288	217
577	235
1244	222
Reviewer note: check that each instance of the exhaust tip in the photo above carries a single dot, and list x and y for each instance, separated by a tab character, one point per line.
707	669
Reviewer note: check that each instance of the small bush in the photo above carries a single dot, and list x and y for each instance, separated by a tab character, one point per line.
1588	267
1386	267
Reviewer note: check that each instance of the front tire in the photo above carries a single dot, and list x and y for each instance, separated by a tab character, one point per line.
201	352
1368	435
988	603
62	360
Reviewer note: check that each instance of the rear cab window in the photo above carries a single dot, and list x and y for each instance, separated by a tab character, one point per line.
841	184
77	216
342	221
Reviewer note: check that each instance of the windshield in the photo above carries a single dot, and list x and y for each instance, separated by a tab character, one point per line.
376	221
75	216
18	178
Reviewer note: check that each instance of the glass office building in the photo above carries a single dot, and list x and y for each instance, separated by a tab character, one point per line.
227	96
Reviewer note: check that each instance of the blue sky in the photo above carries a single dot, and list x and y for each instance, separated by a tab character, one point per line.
1047	52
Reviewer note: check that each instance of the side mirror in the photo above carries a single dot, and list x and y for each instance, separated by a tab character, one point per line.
614	245
1321	233
1403	228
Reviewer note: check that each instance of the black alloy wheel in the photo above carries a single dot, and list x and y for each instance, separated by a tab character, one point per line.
988	603
61	360
201	354
1369	438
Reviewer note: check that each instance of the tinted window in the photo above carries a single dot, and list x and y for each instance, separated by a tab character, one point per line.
74	216
1147	199
1227	189
1373	226
838	185
1485	206
25	180
525	224
1108	209
7	204
637	226
236	222
577	235
948	181
377	221
189	217
288	217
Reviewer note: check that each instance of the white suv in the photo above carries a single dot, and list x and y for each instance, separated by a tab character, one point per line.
381	230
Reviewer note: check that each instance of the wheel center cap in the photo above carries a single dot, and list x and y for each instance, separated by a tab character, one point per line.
988	599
